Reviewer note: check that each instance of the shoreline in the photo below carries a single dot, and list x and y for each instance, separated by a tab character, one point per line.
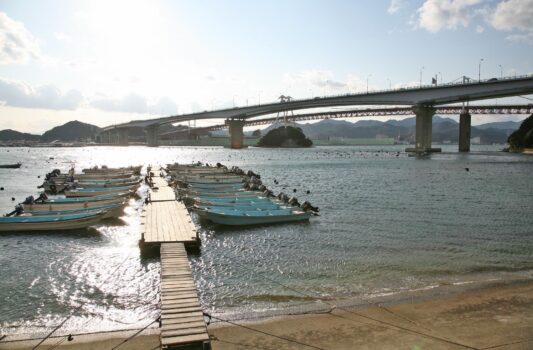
482	315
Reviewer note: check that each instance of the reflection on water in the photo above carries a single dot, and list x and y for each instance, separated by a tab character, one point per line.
388	223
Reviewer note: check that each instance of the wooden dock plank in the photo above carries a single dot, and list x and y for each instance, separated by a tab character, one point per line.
167	223
181	314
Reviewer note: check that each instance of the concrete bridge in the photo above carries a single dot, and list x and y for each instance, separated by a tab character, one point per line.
422	101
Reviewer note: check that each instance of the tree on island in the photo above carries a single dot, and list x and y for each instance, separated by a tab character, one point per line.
523	137
285	136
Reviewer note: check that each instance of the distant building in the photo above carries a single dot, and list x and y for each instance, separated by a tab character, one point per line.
475	140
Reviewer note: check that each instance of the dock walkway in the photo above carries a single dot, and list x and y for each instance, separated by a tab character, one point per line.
168	226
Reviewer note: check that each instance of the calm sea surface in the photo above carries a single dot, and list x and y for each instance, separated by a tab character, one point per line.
389	223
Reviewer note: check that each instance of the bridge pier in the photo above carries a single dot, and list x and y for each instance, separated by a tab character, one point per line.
464	131
424	124
152	135
236	132
104	137
123	135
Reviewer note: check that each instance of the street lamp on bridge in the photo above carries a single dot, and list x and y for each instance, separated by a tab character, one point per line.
479	70
368	76
421	70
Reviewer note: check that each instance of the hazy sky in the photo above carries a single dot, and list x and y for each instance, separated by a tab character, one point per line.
106	62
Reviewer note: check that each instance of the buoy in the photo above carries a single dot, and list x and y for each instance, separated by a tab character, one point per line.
294	190
307	191
467	169
1	188
13	198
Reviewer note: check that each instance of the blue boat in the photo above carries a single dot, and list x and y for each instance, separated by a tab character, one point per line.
50	222
242	206
243	218
203	210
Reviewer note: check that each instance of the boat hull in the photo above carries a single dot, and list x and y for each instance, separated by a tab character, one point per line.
49	207
66	224
240	220
97	192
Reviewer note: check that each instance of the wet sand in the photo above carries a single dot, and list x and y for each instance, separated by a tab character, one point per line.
496	317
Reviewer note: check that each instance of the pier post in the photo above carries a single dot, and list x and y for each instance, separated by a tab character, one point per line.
424	124
114	136
464	131
123	135
152	135
236	132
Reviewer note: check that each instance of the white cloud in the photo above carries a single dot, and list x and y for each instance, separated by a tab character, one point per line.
395	6
20	94
322	79
435	15
135	103
480	29
62	37
17	45
527	37
514	15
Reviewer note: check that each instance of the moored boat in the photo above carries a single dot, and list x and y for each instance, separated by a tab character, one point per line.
10	166
243	218
111	211
96	191
59	206
50	223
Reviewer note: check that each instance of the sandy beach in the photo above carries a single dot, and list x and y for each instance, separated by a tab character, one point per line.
495	317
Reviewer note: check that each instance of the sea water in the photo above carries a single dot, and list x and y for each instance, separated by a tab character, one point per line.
388	224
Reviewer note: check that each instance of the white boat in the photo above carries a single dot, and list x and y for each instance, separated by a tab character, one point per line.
52	206
111	211
96	191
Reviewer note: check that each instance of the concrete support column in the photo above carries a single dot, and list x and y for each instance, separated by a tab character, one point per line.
424	123
236	132
152	135
123	135
464	131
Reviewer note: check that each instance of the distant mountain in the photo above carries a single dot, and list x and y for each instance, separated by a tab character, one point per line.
444	129
12	135
70	131
510	125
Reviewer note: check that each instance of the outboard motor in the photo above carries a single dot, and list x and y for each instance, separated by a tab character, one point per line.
19	209
306	206
268	193
285	198
261	188
280	195
42	197
53	187
29	200
294	202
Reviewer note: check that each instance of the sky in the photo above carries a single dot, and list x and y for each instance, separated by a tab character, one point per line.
106	62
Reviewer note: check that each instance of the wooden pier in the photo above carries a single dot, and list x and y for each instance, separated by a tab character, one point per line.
168	227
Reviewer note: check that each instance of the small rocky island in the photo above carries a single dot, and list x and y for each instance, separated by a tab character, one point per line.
285	136
522	138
